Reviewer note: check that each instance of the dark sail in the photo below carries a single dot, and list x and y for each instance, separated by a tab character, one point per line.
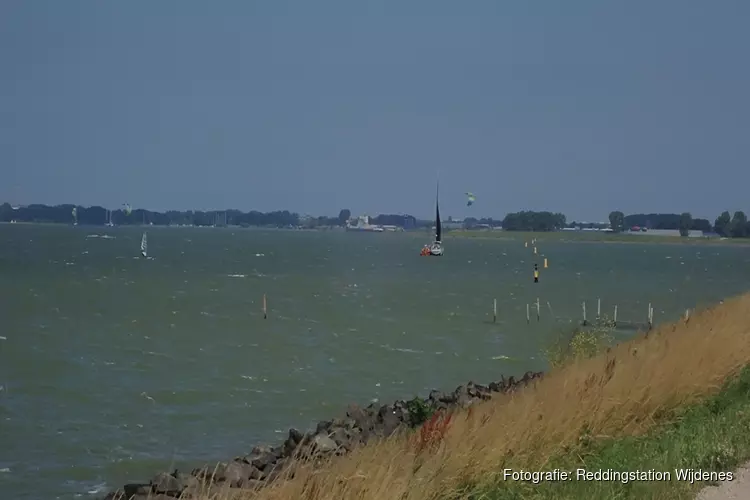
438	225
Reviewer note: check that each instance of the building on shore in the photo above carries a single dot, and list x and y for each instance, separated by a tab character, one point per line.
362	224
693	233
452	223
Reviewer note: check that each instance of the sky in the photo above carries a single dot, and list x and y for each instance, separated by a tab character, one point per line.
581	107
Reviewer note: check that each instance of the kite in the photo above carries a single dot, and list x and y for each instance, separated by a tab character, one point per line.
470	199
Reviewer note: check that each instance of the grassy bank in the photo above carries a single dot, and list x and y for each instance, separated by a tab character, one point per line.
711	436
628	408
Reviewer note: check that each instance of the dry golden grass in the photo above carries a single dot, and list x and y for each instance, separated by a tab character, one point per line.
621	392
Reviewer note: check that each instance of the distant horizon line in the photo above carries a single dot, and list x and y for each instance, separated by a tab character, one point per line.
352	213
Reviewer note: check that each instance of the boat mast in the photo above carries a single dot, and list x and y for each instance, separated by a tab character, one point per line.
438	228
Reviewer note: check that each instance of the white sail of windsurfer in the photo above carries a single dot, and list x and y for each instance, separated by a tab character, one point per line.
144	245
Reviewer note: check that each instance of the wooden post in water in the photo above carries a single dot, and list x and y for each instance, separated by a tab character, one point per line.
265	308
583	306
527	314
652	316
614	320
537	309
598	308
494	310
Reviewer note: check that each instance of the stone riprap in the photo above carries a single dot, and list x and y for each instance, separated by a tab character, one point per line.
331	437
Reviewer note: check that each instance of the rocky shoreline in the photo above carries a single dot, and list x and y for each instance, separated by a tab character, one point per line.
331	437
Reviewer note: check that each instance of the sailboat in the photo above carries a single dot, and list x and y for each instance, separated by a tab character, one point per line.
144	245
436	248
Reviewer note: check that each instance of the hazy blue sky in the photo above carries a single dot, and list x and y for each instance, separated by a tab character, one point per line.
578	106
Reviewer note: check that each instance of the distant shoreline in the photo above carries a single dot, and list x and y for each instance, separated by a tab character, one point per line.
594	237
172	226
484	235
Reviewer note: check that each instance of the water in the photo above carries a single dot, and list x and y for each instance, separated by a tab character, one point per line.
113	367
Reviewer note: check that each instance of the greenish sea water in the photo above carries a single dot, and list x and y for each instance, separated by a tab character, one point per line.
114	367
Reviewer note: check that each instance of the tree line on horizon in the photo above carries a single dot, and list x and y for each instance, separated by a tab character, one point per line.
726	225
96	215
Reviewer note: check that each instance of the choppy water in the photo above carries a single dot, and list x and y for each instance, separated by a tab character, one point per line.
114	367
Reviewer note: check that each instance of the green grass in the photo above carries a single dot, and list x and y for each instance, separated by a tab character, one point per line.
580	342
711	436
